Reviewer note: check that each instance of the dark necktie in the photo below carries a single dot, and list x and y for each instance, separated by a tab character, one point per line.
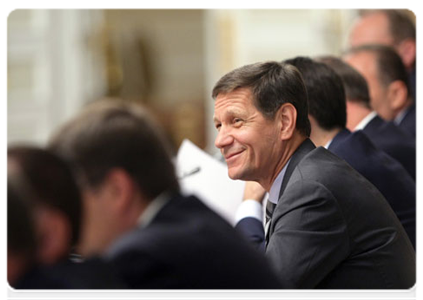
270	207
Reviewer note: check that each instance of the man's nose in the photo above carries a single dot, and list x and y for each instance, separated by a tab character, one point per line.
224	138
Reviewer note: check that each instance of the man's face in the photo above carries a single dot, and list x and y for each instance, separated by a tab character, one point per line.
249	142
365	63
371	29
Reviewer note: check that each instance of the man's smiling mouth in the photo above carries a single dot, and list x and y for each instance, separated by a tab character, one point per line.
233	155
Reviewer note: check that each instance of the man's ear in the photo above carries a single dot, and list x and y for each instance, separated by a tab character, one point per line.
287	120
407	51
397	95
120	189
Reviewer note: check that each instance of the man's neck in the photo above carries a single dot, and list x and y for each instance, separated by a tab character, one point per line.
322	137
356	112
122	221
291	147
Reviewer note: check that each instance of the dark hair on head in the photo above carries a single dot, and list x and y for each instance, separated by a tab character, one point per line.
21	237
272	84
51	181
326	95
388	63
113	134
355	86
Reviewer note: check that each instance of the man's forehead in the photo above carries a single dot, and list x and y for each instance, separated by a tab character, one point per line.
371	29
242	92
233	101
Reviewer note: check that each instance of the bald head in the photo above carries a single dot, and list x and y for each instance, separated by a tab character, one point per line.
371	28
389	27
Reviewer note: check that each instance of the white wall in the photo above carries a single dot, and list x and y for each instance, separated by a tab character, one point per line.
52	70
238	37
56	63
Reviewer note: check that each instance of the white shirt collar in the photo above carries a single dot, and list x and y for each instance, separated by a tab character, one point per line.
153	209
276	186
366	120
328	144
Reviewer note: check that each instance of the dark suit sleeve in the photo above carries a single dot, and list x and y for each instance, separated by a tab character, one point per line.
308	235
252	229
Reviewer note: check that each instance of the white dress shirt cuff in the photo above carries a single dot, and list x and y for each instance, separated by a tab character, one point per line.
249	209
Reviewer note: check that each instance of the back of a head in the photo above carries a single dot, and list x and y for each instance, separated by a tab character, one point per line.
111	134
400	25
272	84
326	95
403	32
21	240
388	63
356	89
51	181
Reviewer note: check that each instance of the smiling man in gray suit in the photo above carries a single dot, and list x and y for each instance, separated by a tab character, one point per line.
328	227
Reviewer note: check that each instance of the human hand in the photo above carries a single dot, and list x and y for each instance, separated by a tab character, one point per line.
254	191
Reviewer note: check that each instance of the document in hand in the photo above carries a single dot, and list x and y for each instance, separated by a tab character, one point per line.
204	176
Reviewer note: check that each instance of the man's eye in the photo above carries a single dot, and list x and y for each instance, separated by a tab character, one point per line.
237	120
218	126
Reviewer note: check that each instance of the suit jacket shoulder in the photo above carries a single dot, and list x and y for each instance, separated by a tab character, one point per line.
394	141
384	172
41	283
408	124
188	246
321	233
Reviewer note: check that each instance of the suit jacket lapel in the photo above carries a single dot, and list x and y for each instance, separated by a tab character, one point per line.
298	155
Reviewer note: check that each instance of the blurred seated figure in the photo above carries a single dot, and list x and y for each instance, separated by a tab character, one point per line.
388	27
136	217
327	114
360	114
57	200
21	244
388	84
24	277
56	213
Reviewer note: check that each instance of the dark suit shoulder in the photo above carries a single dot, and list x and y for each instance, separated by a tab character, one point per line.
385	173
187	245
42	283
394	141
408	123
93	273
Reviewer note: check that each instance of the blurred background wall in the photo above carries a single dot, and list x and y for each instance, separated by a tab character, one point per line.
169	60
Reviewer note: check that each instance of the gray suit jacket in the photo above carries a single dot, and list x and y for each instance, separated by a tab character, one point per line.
333	229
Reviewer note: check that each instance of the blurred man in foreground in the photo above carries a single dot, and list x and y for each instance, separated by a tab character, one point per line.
45	182
135	216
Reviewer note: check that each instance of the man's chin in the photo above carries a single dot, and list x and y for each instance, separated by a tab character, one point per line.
234	175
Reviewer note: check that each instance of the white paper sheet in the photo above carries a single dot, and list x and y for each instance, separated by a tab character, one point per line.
206	177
